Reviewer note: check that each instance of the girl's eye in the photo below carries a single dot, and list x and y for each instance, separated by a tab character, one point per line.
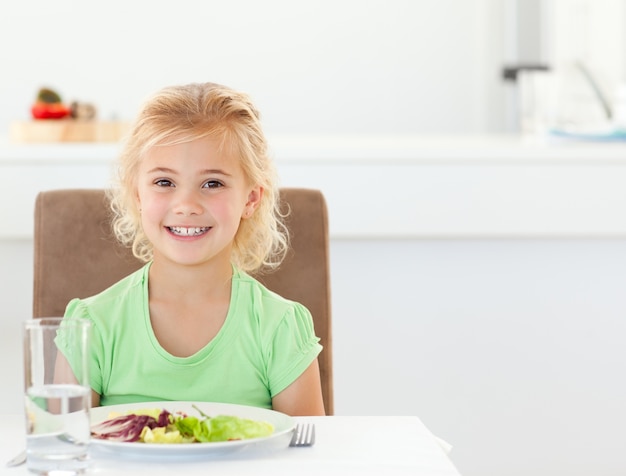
164	183
212	184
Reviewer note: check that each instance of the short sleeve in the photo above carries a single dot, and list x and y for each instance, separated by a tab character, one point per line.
293	348
77	308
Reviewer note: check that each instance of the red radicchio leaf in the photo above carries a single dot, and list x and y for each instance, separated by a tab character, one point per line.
128	428
123	428
164	419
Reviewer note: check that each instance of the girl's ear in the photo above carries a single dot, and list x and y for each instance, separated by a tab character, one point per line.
254	198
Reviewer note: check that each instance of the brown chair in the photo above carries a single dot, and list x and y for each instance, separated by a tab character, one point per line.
76	255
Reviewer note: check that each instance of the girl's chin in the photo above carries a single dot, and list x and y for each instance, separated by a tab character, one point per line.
195	260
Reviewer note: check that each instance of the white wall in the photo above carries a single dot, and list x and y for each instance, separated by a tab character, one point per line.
512	350
325	66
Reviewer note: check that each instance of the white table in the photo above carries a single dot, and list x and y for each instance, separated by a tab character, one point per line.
344	445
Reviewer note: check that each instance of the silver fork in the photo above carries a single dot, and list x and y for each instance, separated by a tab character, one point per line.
18	460
304	435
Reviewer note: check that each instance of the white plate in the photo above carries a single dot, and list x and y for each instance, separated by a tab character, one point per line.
283	430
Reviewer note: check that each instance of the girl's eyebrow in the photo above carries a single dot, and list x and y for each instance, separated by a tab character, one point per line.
215	171
166	170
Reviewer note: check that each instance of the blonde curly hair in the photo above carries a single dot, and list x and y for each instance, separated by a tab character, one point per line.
180	114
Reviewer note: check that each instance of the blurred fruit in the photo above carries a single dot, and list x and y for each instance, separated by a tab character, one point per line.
48	96
83	110
42	110
49	105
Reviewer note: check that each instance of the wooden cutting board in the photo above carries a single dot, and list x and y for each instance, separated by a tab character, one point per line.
67	130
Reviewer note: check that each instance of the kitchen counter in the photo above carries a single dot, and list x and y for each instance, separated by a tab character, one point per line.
346	148
391	186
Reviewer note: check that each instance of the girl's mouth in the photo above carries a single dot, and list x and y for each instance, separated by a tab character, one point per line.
188	231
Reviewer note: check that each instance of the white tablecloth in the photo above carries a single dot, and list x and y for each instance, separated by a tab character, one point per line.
386	445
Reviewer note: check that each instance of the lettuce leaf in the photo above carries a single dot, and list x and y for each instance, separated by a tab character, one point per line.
226	428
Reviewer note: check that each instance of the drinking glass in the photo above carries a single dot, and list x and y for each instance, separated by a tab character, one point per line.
57	395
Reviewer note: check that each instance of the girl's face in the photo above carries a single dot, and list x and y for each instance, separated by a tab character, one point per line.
192	197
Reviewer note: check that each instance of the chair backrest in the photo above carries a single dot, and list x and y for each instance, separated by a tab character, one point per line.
76	255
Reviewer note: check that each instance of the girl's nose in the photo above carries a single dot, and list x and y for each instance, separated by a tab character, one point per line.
187	203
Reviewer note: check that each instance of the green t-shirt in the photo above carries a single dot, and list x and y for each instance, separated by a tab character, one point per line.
264	345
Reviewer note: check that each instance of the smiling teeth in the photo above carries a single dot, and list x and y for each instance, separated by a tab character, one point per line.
183	231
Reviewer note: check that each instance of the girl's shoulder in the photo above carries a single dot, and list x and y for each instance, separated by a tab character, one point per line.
276	320
249	284
126	291
261	299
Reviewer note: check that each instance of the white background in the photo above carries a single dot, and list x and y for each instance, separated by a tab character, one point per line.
348	66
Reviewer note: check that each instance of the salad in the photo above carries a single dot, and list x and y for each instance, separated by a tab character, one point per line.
161	426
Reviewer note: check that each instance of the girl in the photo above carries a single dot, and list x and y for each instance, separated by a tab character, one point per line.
196	199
